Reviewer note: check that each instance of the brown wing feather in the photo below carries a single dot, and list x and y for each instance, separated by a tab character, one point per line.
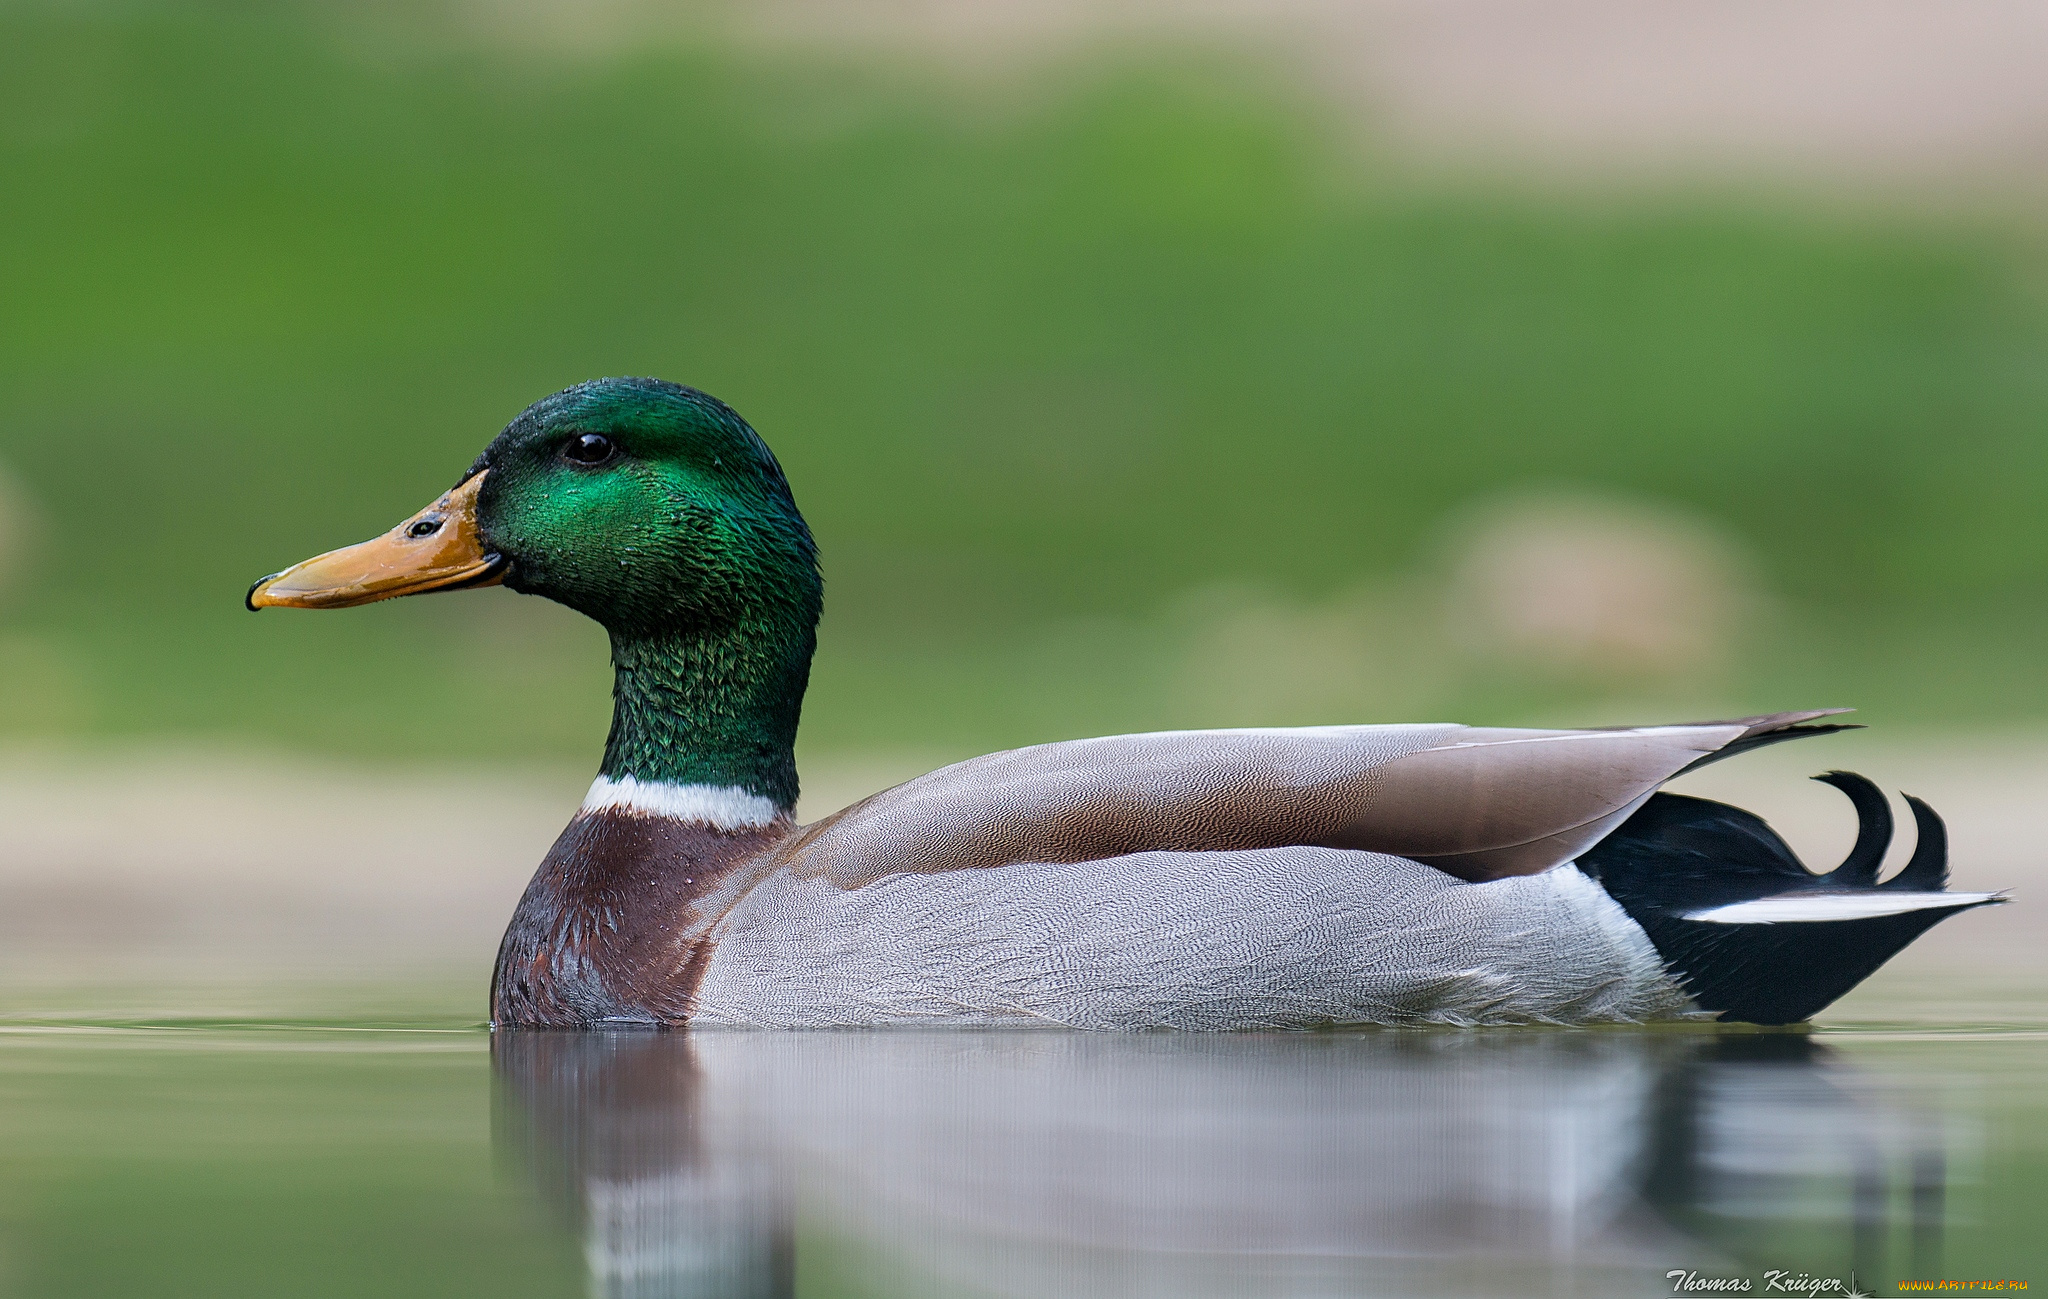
1477	803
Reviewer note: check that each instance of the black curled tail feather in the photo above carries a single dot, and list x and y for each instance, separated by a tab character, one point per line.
1679	857
1873	829
1928	868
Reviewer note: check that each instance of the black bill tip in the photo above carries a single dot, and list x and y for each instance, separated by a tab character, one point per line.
249	600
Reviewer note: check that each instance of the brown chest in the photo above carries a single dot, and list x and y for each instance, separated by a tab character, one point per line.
616	924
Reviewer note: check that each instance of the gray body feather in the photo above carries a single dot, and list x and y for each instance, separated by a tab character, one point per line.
1273	938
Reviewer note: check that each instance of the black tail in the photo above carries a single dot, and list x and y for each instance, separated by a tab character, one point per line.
1681	867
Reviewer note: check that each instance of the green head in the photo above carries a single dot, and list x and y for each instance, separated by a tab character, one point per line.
654	509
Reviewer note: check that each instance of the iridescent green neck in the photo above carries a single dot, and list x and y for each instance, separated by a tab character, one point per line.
714	707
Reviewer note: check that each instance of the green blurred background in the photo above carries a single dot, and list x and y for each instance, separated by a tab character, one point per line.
1128	387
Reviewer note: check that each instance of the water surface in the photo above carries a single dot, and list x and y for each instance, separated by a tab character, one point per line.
379	1144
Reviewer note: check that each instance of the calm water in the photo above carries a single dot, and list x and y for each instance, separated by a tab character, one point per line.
348	1152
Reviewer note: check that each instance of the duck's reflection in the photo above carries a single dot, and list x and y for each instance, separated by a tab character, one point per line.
614	1128
1042	1164
1766	1136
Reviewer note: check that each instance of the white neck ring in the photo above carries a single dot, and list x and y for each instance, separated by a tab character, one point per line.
722	807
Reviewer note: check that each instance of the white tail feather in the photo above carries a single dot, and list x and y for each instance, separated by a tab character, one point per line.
1793	908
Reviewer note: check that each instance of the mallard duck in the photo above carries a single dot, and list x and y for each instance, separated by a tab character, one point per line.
1240	879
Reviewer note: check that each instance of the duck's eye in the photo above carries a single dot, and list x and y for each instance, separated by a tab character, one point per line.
424	528
588	449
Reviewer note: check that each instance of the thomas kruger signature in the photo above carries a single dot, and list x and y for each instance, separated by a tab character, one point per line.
1780	1281
1776	1281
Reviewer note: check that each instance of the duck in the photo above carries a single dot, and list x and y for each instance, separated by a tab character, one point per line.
1220	880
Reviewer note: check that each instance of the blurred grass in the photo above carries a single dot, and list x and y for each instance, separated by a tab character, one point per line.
1042	371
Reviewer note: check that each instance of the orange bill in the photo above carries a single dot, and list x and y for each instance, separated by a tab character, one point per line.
434	550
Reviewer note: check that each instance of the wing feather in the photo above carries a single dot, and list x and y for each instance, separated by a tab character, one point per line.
1478	803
